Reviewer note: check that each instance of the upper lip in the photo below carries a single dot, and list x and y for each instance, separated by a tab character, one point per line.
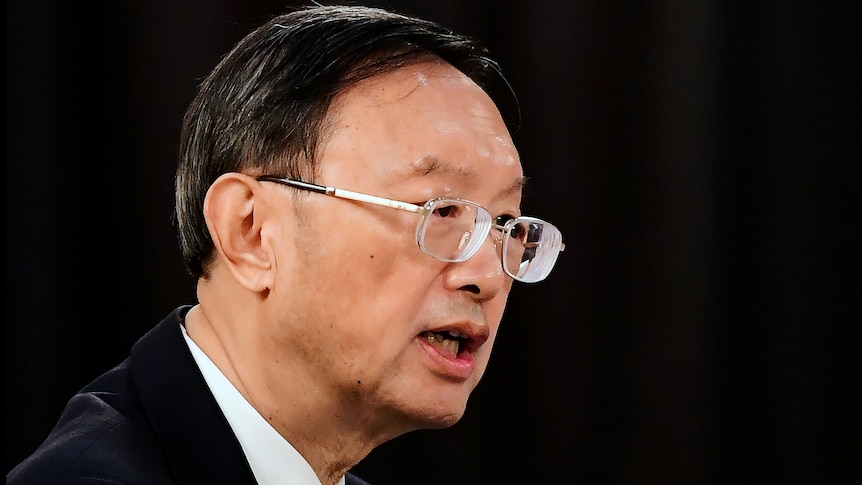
473	334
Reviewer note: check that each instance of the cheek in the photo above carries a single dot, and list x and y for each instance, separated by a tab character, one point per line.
368	241
380	257
369	285
384	297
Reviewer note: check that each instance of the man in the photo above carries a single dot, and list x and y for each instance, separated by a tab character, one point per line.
348	199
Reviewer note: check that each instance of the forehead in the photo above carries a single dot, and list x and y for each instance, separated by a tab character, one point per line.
424	120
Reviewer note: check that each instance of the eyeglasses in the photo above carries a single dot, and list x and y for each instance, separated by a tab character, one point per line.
452	230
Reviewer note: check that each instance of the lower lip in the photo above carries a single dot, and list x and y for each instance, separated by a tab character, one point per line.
457	368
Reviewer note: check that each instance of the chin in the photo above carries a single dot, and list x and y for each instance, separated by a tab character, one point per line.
446	421
425	404
439	416
415	422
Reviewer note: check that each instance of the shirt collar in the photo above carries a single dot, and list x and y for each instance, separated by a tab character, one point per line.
273	460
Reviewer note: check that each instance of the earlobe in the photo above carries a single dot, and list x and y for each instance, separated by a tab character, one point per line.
235	213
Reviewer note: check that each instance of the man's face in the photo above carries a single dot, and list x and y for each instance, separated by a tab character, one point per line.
372	316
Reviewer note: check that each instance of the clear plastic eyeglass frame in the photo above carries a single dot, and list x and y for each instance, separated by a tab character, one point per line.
530	246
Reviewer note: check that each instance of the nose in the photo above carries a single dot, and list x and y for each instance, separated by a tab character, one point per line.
482	275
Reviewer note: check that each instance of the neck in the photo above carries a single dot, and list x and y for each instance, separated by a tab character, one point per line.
321	424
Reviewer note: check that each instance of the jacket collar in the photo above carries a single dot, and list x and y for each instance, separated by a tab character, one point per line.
199	444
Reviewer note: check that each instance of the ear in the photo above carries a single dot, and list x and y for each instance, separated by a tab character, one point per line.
236	213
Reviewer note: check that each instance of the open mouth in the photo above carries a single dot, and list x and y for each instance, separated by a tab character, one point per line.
447	342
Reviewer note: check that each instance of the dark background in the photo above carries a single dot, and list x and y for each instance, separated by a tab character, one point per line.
700	157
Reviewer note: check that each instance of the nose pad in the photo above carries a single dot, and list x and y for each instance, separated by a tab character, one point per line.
463	242
497	243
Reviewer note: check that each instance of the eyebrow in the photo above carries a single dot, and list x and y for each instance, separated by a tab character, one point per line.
517	185
430	165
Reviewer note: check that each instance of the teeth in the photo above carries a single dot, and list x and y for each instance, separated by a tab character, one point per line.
449	345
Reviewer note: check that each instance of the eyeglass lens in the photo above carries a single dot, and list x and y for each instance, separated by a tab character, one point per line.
530	248
453	230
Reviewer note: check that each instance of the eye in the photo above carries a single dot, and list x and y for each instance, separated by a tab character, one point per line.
503	219
447	211
517	231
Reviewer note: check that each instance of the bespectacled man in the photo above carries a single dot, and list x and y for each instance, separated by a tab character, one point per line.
348	198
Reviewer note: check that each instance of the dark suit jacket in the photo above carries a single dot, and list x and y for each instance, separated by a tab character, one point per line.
150	420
